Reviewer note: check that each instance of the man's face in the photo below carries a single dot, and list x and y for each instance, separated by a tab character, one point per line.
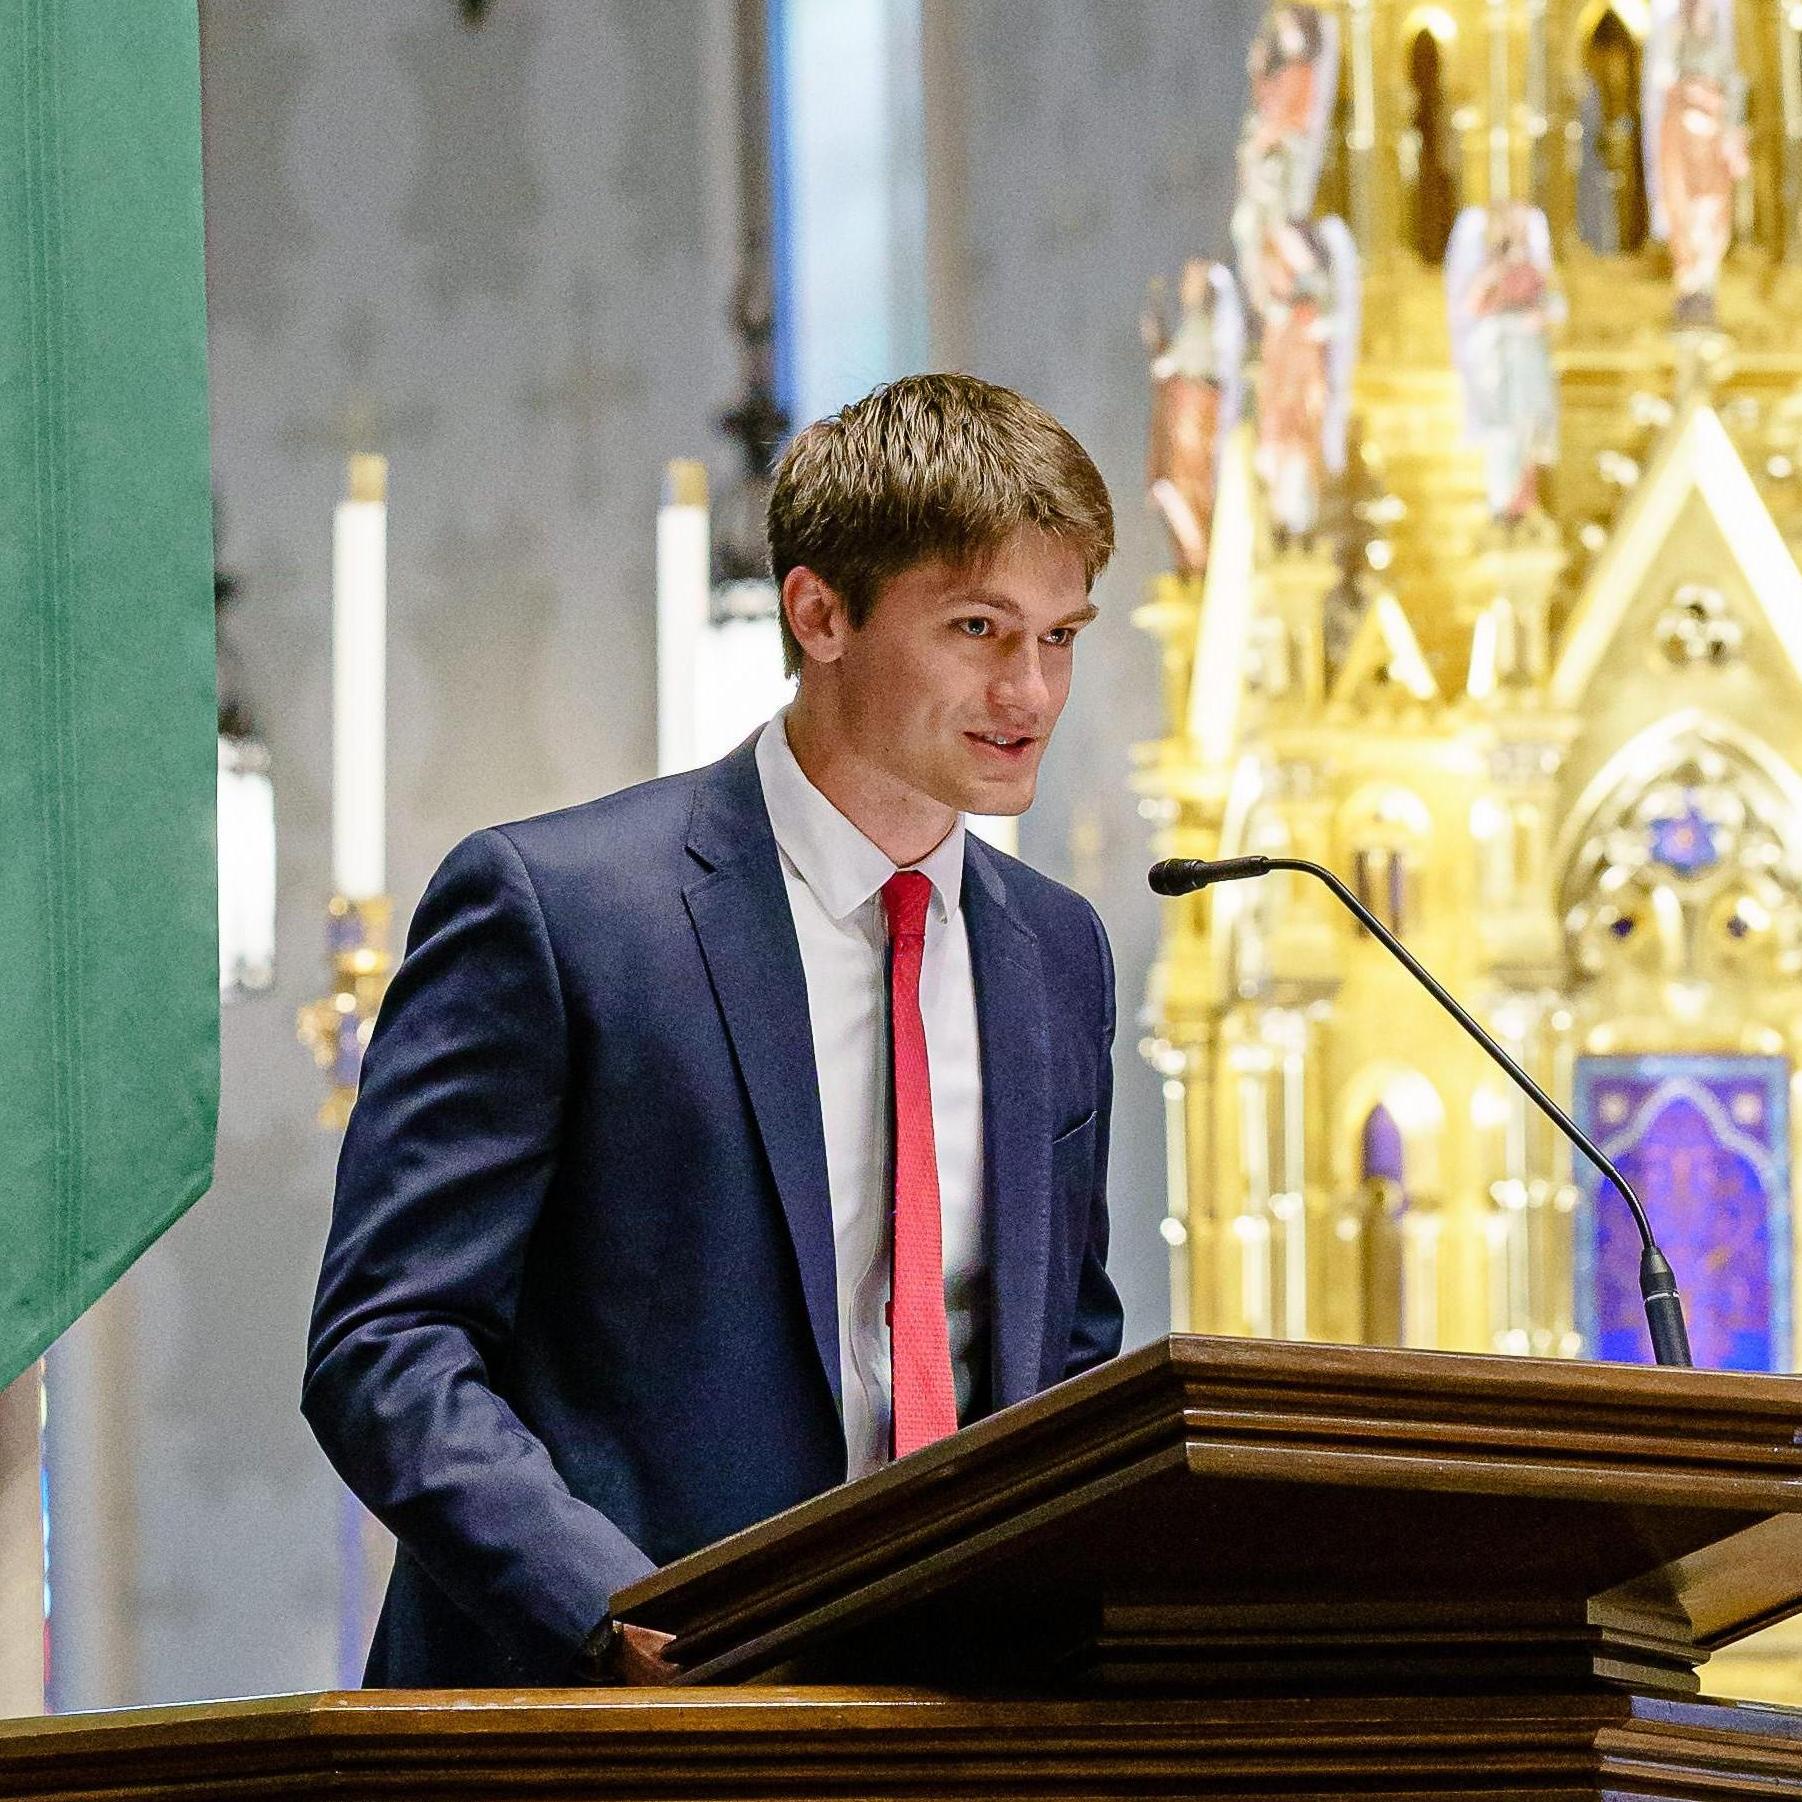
952	685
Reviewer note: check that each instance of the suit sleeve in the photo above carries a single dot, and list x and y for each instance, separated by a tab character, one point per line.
445	1167
1096	1334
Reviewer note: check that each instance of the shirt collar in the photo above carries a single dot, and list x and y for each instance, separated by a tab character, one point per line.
838	863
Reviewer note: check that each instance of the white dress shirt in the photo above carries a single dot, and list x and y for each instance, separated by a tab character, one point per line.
834	876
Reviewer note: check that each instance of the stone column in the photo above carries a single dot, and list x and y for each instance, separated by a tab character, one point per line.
22	1546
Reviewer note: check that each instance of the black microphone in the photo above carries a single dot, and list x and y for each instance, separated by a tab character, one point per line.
1657	1283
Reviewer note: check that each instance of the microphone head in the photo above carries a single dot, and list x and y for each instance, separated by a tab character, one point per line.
1174	876
1184	875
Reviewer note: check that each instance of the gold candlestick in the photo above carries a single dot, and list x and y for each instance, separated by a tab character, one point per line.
336	1027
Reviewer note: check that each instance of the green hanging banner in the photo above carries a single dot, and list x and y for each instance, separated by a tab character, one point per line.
109	1013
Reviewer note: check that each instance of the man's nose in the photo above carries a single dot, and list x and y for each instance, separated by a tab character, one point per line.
1021	683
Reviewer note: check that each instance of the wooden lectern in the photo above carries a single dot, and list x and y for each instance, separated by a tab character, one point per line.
1214	1568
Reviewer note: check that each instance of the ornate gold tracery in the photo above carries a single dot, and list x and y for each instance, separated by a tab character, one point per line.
1495	679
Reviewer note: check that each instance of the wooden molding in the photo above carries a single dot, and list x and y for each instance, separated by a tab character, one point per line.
682	1746
1446	1521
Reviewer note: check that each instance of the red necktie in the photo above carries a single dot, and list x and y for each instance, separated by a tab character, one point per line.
924	1398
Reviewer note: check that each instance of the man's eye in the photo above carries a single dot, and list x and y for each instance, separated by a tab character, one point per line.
1061	635
973	628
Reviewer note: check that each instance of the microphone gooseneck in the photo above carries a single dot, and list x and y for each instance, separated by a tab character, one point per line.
1657	1282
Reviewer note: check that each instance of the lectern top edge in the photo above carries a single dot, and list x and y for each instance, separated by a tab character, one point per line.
1398	1368
1707	1437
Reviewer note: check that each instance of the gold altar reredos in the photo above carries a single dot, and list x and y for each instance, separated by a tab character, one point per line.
1467	716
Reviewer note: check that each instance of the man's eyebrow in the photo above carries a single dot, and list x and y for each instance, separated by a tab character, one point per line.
984	597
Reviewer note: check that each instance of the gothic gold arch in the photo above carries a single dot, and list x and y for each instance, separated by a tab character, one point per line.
1438	24
1431	175
1697	457
1435	19
1635	17
1418	1112
1641	759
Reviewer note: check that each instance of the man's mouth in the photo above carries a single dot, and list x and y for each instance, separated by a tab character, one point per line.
1003	744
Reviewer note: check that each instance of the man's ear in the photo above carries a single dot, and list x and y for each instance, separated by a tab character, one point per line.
816	615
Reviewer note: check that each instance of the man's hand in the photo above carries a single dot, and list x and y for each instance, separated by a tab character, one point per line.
638	1656
617	1652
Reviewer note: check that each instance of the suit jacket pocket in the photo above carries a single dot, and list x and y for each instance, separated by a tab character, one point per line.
1073	1134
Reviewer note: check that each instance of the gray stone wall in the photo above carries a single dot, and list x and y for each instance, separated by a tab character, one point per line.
502	256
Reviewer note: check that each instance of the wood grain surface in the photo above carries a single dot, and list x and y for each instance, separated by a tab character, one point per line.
766	1743
1254	1516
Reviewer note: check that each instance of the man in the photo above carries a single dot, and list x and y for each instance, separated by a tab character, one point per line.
634	1170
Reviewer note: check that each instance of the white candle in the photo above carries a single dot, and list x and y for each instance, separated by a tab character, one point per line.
684	585
359	681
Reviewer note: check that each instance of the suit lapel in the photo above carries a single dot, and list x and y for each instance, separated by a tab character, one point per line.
1015	1045
741	915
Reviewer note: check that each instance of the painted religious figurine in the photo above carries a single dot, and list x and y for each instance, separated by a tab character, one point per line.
1696	144
1309	336
1195	382
1294	71
1502	307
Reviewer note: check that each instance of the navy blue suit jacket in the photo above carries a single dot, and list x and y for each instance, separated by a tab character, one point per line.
577	1314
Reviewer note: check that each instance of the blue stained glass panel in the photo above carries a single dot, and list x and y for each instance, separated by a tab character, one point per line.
1705	1141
